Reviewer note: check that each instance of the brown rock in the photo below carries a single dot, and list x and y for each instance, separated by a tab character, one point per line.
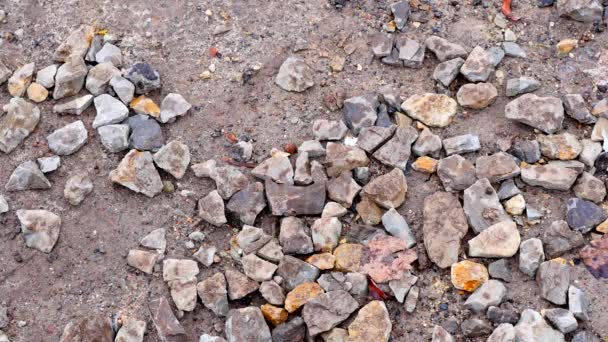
369	211
372	323
476	95
273	314
340	158
301	294
285	199
388	190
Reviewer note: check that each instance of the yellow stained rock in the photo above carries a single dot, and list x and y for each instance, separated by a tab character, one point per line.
425	164
337	63
301	294
565	46
468	275
274	315
372	324
369	211
603	227
348	257
323	261
515	205
37	93
145	105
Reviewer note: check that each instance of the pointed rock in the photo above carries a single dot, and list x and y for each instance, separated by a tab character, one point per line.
248	203
371	324
174	158
482	207
360	112
239	285
40	229
388	190
167	326
277	169
70	77
77	43
211	209
27	176
396	152
136	171
213	294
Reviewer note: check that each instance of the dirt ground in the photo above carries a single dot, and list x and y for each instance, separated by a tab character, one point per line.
87	271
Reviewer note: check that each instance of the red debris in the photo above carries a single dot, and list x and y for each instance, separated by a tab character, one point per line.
213	52
290	148
375	291
506	10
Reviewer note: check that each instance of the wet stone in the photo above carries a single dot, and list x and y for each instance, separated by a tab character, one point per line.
496	168
521	85
589	188
446	72
435	110
39	228
427	144
461	144
75	106
584	215
543	113
576	108
360	112
553	279
68	139
478	66
476	95
136	171
443	49
146	134
77	188
396	152
27	176
70	77
531	255
20	121
482	207
144	77
558	239
329	130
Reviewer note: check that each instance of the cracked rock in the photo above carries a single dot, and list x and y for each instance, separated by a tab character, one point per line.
396	152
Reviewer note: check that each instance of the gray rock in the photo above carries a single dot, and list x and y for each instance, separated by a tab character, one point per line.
327	310
443	49
532	328
294	75
583	215
496	168
146	134
4	208
500	269
21	79
70	77
167	326
400	287
564	146
174	158
272	292
302	174
155	240
461	144
446	72
250	239
396	152
373	137
211	209
585	336
500	240
412	53
412	299
576	108
45	76
427	144
507	189
277	168
503	333
5	73
553	279
88	328
205	255
109	111
98	79
123	88
239	285
75	106
68	139
549	176
498	315
173	105
361	174
521	85
401	12
131	331
248	203
295	272
456	173
396	225
144	77
77	188
114	138
343	189
20	121
591	151
179	269
578	303
382	44
325	233
329	130
360	111
334	281
313	148
292	331
586	11
293	236
247	324
531	255
513	50
562	319
491	293
559	239
96	45
590	188
496	55
27	176
136	172
393	58
40	229
257	268
482	207
526	150
478	66
271	251
76	44
441	335
475	327
109	53
285	199
543	113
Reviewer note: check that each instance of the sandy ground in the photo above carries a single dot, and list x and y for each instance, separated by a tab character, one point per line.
87	271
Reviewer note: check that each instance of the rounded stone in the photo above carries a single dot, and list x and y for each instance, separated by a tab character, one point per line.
468	276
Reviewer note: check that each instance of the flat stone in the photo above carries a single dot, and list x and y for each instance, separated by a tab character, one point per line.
401	287
136	172
498	315
123	88
247	324
562	319
371	324
285	199
248	203
251	239
396	225
396	152
543	113
115	138
500	269
563	146
329	130
497	167
146	106
513	50
578	303
271	251
258	269
476	95
360	112
167	326
586	11
173	106
441	335
559	239
228	179
385	258
20	121
68	139
301	295
435	110
109	111
340	158
590	153
532	327
40	229
382	44
371	138
343	189
302	174
443	49
526	150
482	207
553	279
205	255
109	53
427	144
75	106
313	148
478	66
412	53
584	215
144	77
576	108
549	176
131	331
293	236
88	328
272	292
70	77
500	240
461	144
142	260
589	188
77	43
27	176
146	134
292	331
521	85
239	285
446	72
294	75
211	209
326	311
21	79
456	173
183	293
77	188
98	78
492	292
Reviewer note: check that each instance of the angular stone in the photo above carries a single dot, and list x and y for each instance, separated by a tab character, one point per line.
146	134
155	240
109	53
251	239
516	205
109	111
40	229
211	209
4	208
123	88
435	110
77	188
476	95
371	138
77	43
335	335
340	158
98	78
302	175
578	303
600	109
425	165
549	176
478	66
277	169
396	152
396	225
136	171
131	331
274	315
576	108
326	311
369	211
183	293
482	207
600	129
145	106
5	73
21	79
531	255
247	324
500	240
532	327
75	106
412	299
144	77
329	130
492	292
294	75
507	189
360	112
239	285
427	144
205	255
543	113
88	328
285	199
68	139
562	319
295	272
583	215
496	54
382	44
461	144
498	315
441	335
333	209
586	11
322	261
585	336
591	151
558	239
70	77
497	167
272	292
371	324
114	138
292	331
446	72
521	85
348	257
313	148
325	233
443	49
173	105
174	158
401	287
20	121
343	189
385	258
563	146
388	190
301	295
513	50
248	203
500	270
526	150
412	53
258	269
468	276
553	279
475	327
590	188
456	173
27	176
271	251
293	236
142	260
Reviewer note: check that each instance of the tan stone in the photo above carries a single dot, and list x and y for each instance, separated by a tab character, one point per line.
425	164
565	46
301	294
371	324
468	276
323	261
515	205
145	105
388	190
37	93
369	211
273	314
603	227
435	110
348	257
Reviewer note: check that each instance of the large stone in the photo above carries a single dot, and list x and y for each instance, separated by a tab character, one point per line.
456	173
21	79
446	72
526	150
329	130
563	146
285	199
533	328
77	43
385	258
174	158
461	144
372	323
247	203
114	138
497	167
591	151
167	326
40	229
247	324
20	121
109	111
295	272
576	108
444	225
239	285
75	106
183	293
343	189
396	152
482	207
492	292
70	77
326	311
211	209
333	209
443	49
136	171
340	158
531	255
553	279
77	188
549	176
27	176
435	110
500	240
543	113
88	328
292	331
476	95
478	66
144	77
583	215
360	112
293	236
559	239
586	11
521	85
146	133
68	139
98	79
388	190
348	257
272	292
589	188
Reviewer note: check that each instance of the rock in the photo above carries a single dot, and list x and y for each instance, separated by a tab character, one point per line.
498	315
239	285
591	151
600	109
228	179
109	53
595	255
558	239
114	138
497	167
478	66
500	270
527	150
27	176
348	257
174	158
167	326
247	324
521	85
585	336
412	53
388	190
543	113
70	77
248	203
329	130
5	73
20	121
136	171
40	229
37	93
313	148
131	331
369	211
396	225
21	79
285	199
333	209
443	49
77	188
576	108
461	144
292	331
173	105
401	287
500	240
441	335
549	176
98	79
444	225
144	77
211	209
476	95
370	138
88	328
427	144
578	303
205	255
425	165
272	292
342	158
109	111
258	269
532	327
361	174
293	237
271	251
507	189
326	311
274	315
323	261
145	106
294	75
401	12
382	44
77	43
513	50
295	272
600	130
95	46
301	295
412	299
4	208
75	106
251	239
590	188
183	293
553	279
124	89
371	324
68	139
475	327
446	72
385	258
325	233
277	169
515	205
146	134
531	255
586	11
503	333
343	189
563	146
492	292
562	319
360	112
456	173
482	207
496	55
396	152
435	110
583	215
468	276
142	260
